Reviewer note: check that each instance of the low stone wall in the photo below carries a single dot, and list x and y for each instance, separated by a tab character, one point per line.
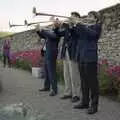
23	41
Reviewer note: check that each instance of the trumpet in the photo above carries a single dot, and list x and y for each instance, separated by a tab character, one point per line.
14	25
45	14
83	20
29	24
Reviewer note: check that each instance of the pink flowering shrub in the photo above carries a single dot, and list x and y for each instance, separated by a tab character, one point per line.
27	59
105	81
114	72
33	57
109	77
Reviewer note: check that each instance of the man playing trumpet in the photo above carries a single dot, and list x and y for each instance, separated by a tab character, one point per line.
87	57
50	57
70	66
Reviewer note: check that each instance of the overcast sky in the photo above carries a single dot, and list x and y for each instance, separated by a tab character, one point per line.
18	10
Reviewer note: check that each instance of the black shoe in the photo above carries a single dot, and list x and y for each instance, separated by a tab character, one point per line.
66	97
81	106
9	66
44	90
53	93
75	99
92	110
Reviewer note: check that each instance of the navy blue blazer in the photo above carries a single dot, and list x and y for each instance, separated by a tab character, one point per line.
87	43
70	42
51	42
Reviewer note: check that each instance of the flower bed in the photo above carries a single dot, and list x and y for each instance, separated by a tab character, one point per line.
109	78
26	59
114	72
105	81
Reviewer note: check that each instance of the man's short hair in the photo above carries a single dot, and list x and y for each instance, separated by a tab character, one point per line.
95	14
76	14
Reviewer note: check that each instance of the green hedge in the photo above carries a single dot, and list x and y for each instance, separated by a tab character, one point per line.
22	64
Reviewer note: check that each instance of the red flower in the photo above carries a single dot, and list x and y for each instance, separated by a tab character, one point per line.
32	56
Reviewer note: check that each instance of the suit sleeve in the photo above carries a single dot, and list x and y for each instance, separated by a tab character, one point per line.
93	31
61	32
46	34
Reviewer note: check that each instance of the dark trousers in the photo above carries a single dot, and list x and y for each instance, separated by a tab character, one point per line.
50	74
47	80
6	60
89	83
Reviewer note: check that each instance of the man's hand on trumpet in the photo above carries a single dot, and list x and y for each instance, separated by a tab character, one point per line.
52	18
37	27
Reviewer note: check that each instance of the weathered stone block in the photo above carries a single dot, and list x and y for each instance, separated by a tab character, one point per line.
19	111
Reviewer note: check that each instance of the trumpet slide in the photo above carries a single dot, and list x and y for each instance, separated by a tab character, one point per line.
14	25
45	14
29	24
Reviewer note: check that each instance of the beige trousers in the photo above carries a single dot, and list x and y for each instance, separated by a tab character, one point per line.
71	77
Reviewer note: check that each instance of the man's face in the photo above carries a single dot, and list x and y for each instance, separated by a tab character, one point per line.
91	18
57	24
73	18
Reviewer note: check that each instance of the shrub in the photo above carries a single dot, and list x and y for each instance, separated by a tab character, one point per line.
33	57
1	57
59	70
105	81
114	73
25	65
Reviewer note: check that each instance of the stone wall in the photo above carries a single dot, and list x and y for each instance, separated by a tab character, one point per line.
23	41
109	43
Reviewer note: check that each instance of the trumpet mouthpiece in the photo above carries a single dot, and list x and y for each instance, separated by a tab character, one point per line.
34	10
25	22
9	25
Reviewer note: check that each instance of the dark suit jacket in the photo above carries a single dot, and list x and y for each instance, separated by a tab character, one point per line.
70	42
51	42
87	46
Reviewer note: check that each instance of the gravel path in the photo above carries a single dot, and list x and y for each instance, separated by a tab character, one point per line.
20	86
